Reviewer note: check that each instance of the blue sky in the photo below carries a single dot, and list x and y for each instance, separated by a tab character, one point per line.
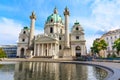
95	16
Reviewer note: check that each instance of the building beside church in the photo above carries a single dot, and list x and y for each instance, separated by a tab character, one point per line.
110	38
56	41
10	50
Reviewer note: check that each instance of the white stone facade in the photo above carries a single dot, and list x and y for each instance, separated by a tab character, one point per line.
52	42
23	42
110	38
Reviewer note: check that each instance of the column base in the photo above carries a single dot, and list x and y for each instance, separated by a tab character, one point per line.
67	53
29	53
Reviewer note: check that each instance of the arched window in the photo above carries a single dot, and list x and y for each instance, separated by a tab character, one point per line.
60	47
77	28
51	29
60	30
78	51
23	40
77	37
59	38
78	48
51	20
22	52
24	32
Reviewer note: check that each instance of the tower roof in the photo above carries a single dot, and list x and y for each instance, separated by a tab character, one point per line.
26	27
78	26
76	23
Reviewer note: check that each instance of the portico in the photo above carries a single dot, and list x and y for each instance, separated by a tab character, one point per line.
46	48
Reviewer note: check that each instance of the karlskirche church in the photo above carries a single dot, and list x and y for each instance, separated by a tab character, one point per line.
55	42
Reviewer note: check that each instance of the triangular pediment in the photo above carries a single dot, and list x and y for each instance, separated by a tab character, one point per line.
45	39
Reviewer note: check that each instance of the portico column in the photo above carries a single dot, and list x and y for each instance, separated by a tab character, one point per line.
38	50
55	48
82	50
47	50
35	48
42	50
51	50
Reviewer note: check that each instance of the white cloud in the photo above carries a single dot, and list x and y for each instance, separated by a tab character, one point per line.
106	13
105	16
9	30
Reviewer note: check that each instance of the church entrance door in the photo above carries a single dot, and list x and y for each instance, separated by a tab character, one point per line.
22	52
78	51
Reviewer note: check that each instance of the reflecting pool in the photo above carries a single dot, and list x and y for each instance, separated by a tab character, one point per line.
50	71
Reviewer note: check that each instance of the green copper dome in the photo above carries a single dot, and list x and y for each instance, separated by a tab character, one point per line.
55	17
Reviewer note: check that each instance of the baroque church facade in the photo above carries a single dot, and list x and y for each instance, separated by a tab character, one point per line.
55	42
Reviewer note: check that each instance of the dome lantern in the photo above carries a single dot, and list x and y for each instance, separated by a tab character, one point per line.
55	11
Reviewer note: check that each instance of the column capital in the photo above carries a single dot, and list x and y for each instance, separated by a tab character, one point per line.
33	16
66	12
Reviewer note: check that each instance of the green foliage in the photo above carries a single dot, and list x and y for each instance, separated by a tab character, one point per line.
1	65
109	55
103	45
112	55
98	45
117	45
95	48
2	53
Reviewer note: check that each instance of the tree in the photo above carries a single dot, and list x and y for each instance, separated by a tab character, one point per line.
117	45
98	45
95	48
103	46
2	53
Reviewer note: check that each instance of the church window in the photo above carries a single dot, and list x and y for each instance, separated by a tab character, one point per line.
60	47
77	28
24	32
111	37
60	30
108	48
51	20
78	48
107	38
23	40
59	38
51	30
77	37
